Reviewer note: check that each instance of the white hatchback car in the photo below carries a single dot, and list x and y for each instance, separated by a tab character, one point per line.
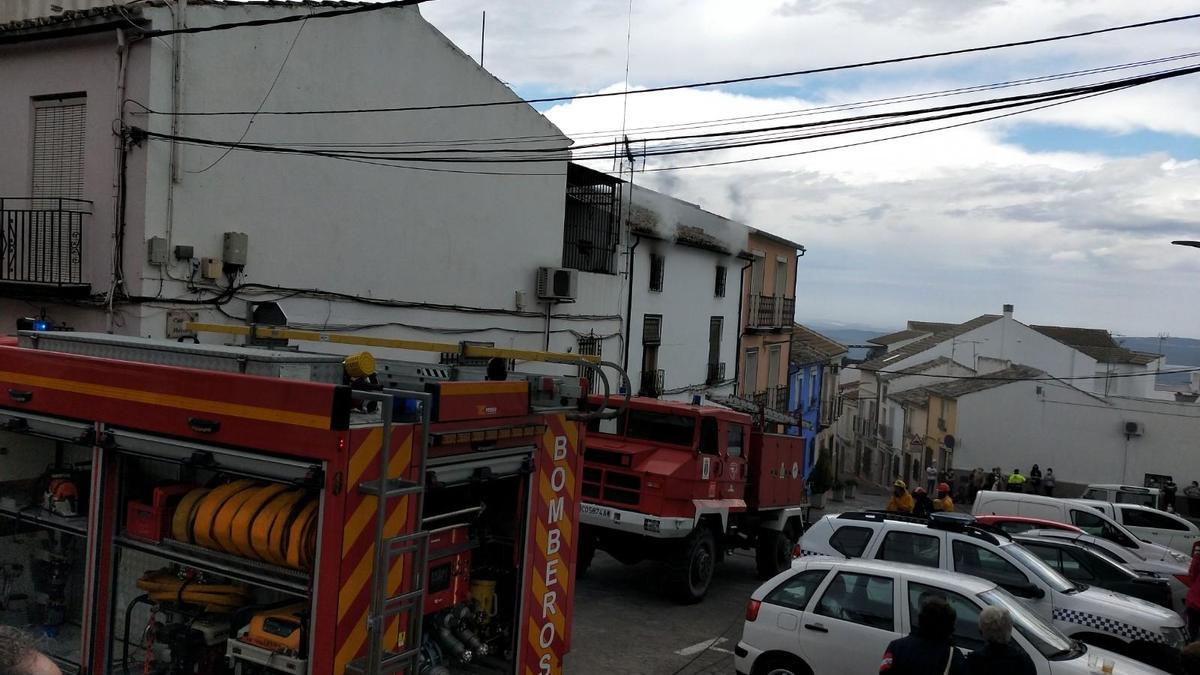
952	541
838	616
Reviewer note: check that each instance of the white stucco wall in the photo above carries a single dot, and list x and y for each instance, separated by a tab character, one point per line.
1077	435
88	65
686	303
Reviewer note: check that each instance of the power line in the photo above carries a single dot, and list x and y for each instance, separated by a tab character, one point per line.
945	112
257	23
1047	378
729	121
649	90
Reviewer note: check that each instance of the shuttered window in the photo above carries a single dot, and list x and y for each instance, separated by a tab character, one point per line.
58	138
652	329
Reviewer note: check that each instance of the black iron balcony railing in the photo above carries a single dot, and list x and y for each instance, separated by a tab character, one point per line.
716	374
41	240
773	398
652	383
771	312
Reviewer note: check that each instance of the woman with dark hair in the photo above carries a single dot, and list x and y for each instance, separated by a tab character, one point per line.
929	650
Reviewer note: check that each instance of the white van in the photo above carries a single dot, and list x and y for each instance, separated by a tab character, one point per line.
1078	512
1153	525
1122	494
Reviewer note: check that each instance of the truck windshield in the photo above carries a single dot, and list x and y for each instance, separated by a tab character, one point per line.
663	428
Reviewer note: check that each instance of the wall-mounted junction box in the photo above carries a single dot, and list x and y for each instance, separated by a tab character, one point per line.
210	268
233	249
156	250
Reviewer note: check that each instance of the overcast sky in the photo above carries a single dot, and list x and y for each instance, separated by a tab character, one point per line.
1066	213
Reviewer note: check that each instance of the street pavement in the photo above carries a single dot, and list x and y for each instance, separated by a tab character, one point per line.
626	625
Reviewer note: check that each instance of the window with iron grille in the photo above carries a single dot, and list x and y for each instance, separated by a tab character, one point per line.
58	136
652	329
657	266
592	224
722	272
590	345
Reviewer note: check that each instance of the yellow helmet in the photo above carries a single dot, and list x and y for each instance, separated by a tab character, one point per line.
899	484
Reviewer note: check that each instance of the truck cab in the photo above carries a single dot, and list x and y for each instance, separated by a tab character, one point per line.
683	483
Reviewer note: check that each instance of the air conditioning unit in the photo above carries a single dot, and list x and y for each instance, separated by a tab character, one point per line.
557	284
1133	429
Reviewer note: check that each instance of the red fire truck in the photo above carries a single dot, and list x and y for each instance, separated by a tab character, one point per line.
683	484
188	508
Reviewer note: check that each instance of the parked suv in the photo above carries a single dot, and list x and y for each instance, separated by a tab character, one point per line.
838	616
953	541
1123	494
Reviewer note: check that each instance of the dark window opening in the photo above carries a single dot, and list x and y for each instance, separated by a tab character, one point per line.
719	289
592	224
657	268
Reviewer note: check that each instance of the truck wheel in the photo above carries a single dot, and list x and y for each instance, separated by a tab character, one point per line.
774	552
692	570
587	551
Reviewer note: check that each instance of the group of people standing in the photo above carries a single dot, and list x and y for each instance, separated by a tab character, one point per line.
918	503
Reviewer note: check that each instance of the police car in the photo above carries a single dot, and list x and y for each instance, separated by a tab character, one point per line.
953	541
838	616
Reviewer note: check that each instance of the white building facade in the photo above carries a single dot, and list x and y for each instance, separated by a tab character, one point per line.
154	225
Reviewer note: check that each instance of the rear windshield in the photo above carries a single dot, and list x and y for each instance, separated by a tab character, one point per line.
1136	498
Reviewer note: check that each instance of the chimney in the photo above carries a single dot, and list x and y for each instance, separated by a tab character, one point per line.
1008	310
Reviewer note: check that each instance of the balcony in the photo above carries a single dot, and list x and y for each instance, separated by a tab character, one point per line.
651	383
41	244
773	398
771	313
715	375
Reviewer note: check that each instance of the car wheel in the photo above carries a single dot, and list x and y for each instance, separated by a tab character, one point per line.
691	571
781	664
774	552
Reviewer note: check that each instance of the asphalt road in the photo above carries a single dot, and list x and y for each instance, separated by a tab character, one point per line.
626	624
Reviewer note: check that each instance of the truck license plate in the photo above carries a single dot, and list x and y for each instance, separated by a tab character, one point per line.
593	510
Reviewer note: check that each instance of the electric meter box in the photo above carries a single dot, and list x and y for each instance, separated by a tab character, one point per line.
233	250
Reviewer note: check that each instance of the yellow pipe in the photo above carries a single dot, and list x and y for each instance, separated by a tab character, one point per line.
468	351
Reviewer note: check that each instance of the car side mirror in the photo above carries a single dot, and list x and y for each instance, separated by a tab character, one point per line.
1026	591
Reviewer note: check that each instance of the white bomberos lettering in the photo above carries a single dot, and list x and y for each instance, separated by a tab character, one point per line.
555	511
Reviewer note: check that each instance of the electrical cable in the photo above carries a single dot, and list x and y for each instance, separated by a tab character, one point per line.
266	96
944	112
650	90
1046	378
728	121
258	23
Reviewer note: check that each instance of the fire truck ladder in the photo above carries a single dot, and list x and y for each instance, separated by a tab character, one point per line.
382	658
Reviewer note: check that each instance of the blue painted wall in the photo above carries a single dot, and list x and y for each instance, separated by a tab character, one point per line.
804	398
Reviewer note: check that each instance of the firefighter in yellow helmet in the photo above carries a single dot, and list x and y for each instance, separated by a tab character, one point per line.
901	501
943	501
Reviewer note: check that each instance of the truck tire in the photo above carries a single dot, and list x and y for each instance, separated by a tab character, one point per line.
774	552
691	571
587	551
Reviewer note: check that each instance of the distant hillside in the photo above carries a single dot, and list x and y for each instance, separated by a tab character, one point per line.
1180	353
846	335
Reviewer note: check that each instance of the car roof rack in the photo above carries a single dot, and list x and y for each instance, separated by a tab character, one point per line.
952	522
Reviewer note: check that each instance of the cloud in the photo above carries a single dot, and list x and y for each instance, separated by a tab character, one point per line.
941	226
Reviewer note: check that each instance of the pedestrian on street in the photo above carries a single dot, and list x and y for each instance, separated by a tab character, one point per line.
1192	601
997	480
922	505
977	480
901	501
931	476
943	501
1168	498
1016	482
998	656
1048	482
1192	490
1035	480
929	650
